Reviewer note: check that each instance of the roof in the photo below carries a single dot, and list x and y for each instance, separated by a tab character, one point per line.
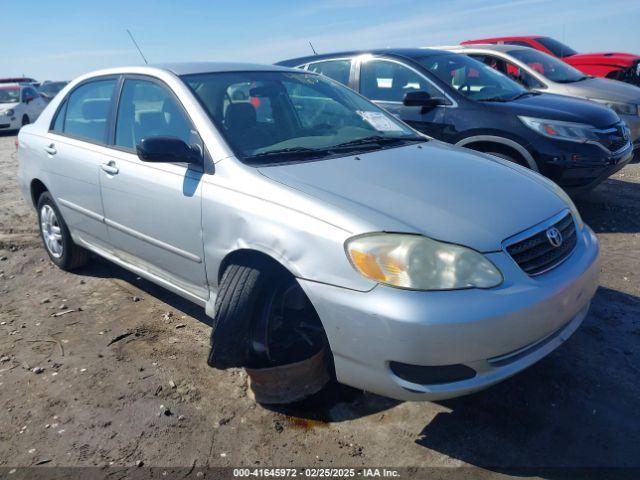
500	47
189	68
501	39
391	52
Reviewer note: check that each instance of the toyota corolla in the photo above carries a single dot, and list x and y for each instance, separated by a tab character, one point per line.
304	218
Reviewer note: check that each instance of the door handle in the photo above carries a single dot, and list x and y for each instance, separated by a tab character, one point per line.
110	168
51	149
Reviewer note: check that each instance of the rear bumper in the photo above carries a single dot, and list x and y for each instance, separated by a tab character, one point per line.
496	332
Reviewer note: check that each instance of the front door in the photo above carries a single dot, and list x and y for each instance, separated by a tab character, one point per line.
387	81
153	210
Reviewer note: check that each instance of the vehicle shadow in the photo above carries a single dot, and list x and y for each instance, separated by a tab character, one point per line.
612	207
102	268
573	415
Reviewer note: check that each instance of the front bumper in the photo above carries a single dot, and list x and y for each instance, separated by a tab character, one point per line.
9	123
496	332
578	167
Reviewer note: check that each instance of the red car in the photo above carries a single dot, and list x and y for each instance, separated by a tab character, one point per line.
619	66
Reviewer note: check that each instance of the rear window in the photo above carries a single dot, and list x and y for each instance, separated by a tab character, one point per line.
337	70
87	110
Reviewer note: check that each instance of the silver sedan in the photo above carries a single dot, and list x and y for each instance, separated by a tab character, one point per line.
305	219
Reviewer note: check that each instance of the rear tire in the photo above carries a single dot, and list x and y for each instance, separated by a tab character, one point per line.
56	237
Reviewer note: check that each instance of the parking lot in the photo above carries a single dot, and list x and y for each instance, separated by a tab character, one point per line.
124	378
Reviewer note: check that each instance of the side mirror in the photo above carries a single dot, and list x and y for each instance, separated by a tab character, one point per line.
422	99
167	150
28	98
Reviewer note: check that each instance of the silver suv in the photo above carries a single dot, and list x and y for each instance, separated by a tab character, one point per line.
305	219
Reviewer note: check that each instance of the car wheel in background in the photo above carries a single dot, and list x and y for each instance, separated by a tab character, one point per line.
25	120
56	237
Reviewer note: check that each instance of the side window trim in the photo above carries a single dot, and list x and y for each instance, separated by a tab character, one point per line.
64	103
453	104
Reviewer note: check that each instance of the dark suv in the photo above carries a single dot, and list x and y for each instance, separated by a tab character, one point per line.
456	99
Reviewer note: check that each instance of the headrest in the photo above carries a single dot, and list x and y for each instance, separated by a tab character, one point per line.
240	116
96	109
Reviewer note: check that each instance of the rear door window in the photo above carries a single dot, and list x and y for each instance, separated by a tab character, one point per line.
87	111
338	70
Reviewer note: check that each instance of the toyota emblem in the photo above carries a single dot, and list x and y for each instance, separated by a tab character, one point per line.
554	236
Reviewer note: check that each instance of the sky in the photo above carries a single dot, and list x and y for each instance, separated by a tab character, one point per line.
63	39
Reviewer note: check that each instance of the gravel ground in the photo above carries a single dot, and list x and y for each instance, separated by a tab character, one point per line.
124	378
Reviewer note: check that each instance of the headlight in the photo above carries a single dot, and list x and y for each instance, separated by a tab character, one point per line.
420	263
620	107
9	112
558	130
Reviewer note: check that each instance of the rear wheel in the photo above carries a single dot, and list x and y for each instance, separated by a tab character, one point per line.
56	237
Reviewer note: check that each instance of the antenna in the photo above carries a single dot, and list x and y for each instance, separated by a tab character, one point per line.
314	50
136	44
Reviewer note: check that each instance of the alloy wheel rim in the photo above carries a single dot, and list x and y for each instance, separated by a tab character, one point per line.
51	232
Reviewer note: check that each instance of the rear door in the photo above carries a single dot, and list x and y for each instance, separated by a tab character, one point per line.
153	210
386	82
74	148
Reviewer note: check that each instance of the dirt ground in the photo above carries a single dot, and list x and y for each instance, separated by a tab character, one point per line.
125	379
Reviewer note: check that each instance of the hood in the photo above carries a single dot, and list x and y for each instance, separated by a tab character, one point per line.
607	58
560	107
441	191
7	106
604	89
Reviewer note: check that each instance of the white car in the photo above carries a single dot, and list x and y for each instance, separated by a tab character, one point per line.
19	105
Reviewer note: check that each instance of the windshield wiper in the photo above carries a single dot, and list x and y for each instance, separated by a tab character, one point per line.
494	99
376	141
299	152
568	80
523	94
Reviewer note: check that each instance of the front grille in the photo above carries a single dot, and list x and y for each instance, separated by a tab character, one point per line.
536	255
614	138
5	125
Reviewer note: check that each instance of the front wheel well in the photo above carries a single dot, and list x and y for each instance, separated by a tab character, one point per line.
37	188
249	255
489	147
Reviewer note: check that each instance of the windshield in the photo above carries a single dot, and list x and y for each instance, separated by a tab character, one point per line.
9	95
472	78
552	68
271	117
555	47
